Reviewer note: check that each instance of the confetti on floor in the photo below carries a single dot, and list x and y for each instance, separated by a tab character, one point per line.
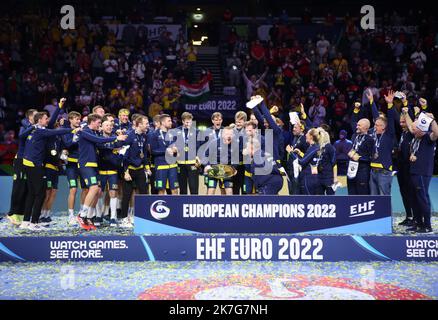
219	280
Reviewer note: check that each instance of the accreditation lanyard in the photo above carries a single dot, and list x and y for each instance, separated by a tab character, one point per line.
298	141
415	145
140	143
166	143
377	142
358	140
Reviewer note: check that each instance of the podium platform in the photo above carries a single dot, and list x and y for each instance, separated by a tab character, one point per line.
180	228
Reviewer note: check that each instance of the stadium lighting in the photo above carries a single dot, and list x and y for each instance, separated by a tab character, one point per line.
195	26
198	16
198	9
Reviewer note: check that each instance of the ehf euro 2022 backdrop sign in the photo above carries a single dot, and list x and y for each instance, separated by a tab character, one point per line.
227	105
262	214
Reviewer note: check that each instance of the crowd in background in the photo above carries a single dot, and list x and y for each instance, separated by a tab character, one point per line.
327	75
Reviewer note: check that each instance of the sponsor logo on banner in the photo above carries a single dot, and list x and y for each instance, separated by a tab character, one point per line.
362	209
269	287
159	210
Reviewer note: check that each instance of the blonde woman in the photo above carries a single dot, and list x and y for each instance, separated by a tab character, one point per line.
308	178
327	169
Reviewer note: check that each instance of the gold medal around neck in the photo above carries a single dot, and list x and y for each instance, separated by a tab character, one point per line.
413	158
186	149
53	152
142	155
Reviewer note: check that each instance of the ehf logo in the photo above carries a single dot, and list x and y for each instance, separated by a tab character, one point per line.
362	209
423	121
159	210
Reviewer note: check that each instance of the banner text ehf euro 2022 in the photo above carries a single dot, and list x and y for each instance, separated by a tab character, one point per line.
219	248
262	214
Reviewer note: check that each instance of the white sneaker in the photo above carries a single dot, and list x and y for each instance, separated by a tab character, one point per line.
36	227
131	220
72	220
125	223
24	225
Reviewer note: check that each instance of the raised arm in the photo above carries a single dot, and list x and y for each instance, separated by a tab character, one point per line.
55	114
268	117
408	119
370	97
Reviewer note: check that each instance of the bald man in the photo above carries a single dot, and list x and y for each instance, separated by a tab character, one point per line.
358	176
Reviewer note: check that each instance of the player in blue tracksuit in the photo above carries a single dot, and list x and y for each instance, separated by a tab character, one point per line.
162	143
265	172
188	145
308	177
252	134
299	145
19	184
88	139
109	163
33	161
212	133
149	135
122	122
219	151
422	152
135	161
403	168
71	148
51	163
278	141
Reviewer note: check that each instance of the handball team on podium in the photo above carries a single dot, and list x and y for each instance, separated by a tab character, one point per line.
114	157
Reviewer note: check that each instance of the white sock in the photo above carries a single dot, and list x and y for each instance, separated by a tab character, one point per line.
99	206
84	211
43	214
90	212
48	213
106	210
99	213
113	206
119	203
71	212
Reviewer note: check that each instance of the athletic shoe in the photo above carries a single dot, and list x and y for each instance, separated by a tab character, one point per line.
131	220
125	223
424	230
72	220
44	222
97	221
35	227
82	223
24	225
91	224
114	223
19	217
107	218
414	228
13	219
407	222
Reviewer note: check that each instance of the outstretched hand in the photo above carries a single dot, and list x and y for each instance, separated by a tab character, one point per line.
390	97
